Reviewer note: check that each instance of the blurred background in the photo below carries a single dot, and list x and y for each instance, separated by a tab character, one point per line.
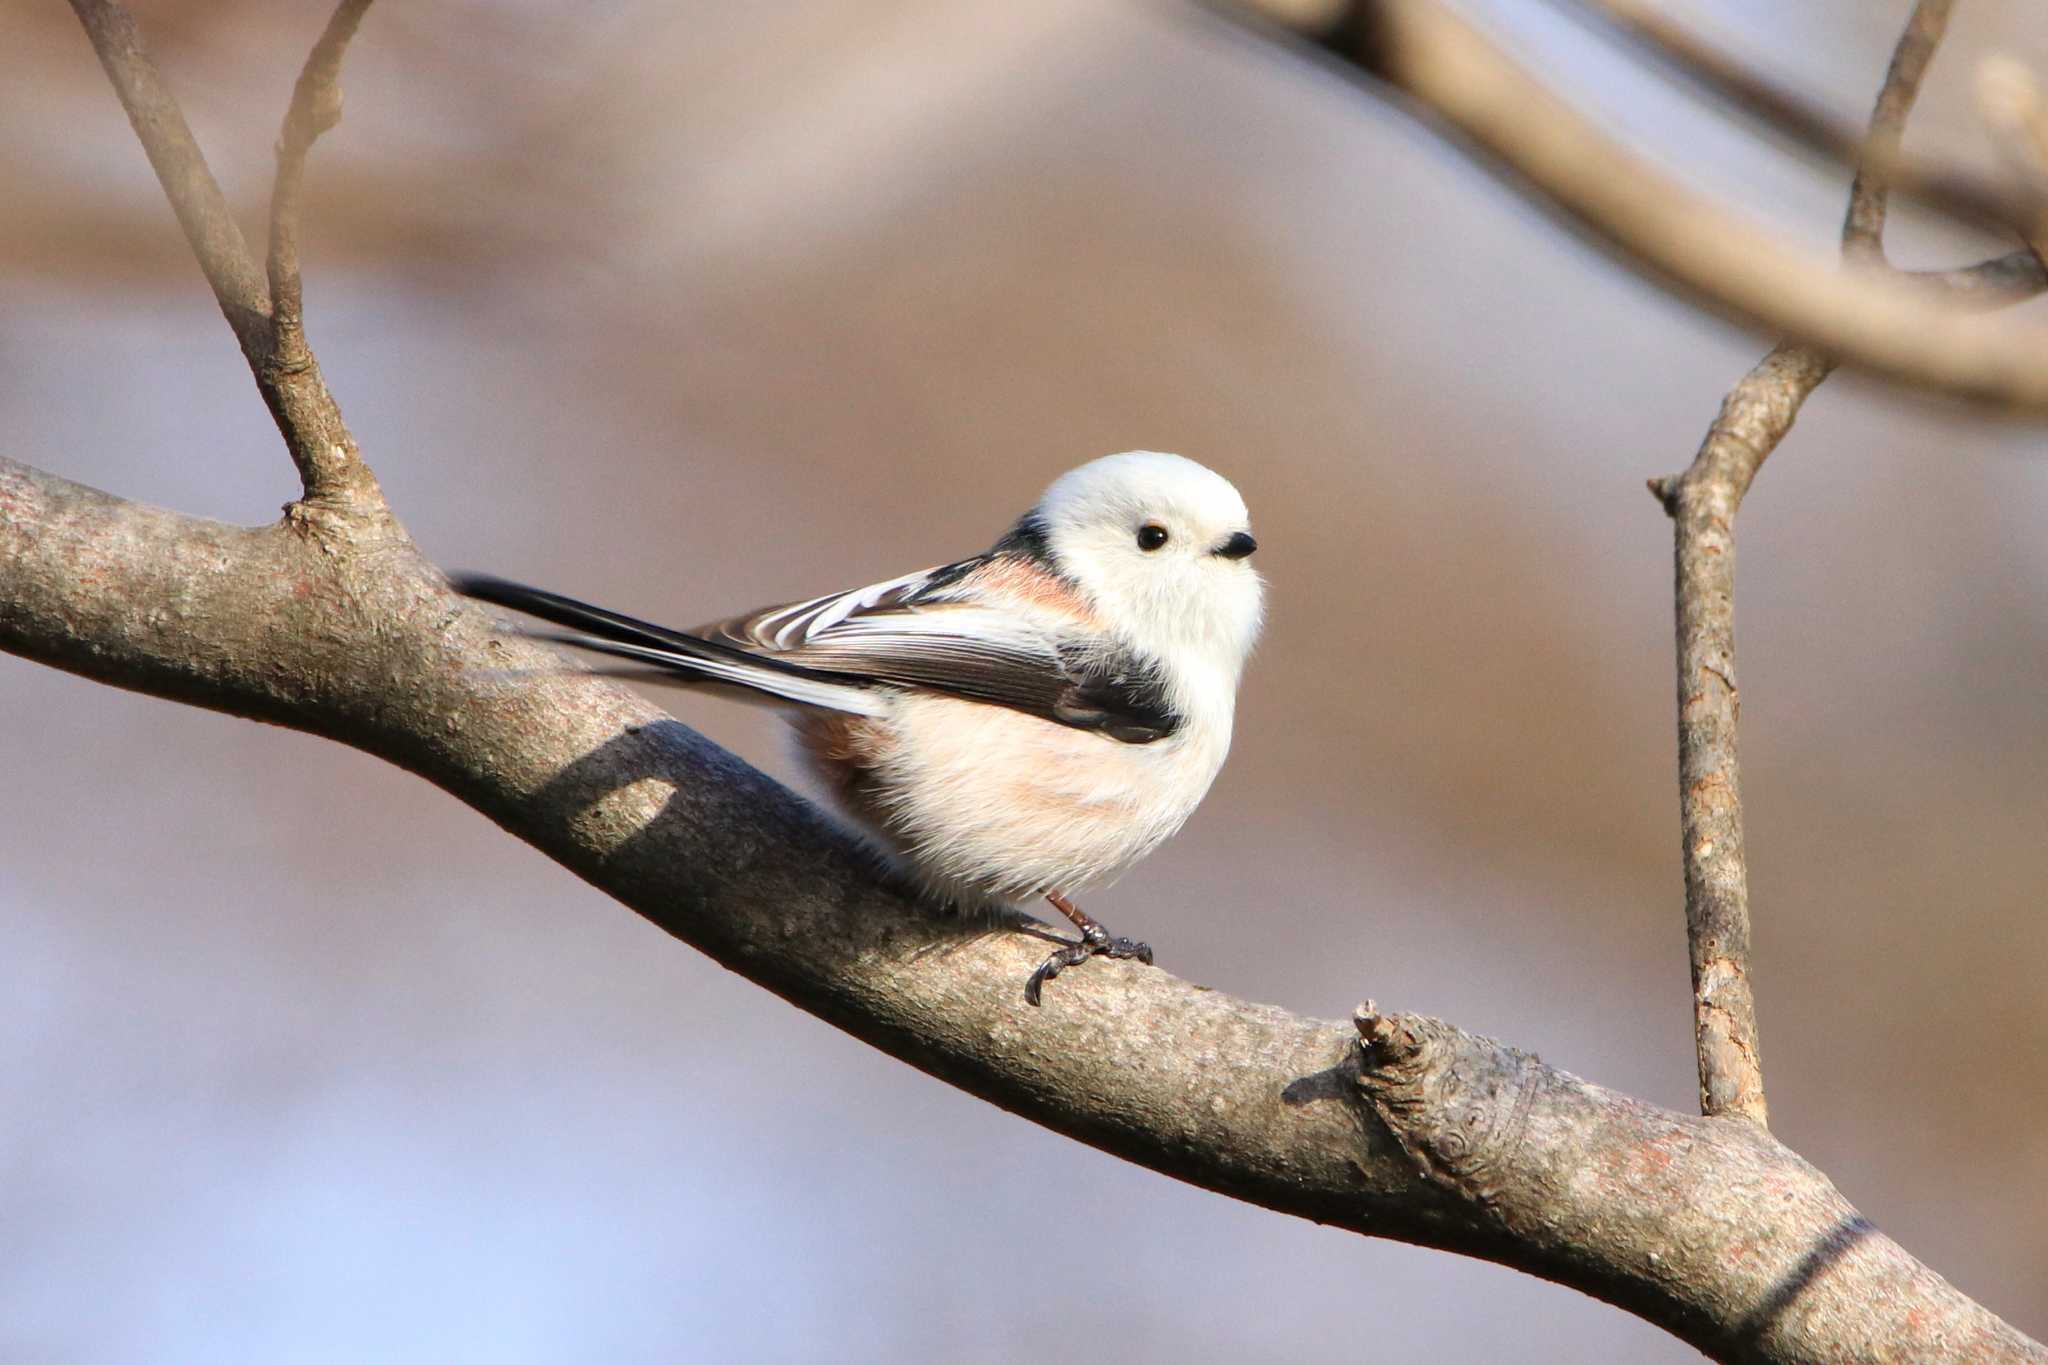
691	307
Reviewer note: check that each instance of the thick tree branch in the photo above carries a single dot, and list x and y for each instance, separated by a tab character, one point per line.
1458	79
1705	1226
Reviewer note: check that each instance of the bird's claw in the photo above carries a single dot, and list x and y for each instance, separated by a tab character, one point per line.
1093	944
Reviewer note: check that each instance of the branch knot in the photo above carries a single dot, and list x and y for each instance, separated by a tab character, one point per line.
1457	1105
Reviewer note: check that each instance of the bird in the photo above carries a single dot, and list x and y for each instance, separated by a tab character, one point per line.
1029	721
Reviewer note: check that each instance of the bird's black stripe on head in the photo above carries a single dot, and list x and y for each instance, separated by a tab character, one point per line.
1027	540
938	580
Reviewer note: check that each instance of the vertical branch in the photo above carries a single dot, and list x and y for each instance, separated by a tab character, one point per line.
315	107
330	466
1702	502
1870	195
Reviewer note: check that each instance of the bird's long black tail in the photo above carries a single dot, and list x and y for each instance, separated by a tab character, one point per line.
689	657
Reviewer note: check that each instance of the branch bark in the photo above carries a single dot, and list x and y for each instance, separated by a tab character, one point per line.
1756	415
331	622
1702	502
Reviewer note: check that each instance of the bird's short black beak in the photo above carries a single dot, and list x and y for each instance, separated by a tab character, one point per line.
1238	546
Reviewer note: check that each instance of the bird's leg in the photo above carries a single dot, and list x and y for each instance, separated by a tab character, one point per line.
1095	942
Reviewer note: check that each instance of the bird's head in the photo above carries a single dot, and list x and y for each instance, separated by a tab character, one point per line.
1161	546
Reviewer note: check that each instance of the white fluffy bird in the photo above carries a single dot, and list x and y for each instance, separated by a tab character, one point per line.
1030	721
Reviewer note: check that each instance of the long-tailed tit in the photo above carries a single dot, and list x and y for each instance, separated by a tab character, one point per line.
1030	721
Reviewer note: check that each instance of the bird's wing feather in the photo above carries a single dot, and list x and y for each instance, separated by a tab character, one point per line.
933	630
790	625
922	631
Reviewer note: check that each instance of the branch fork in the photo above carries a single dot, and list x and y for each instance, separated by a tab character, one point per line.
1458	1105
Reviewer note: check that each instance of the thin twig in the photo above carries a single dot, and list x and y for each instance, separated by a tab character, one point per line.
1869	195
181	169
315	107
1702	502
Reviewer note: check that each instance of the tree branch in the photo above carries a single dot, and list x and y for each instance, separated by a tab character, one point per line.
1870	192
1755	417
180	168
1706	1227
315	108
331	622
1456	78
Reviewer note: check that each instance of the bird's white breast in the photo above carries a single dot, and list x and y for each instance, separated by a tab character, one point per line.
981	801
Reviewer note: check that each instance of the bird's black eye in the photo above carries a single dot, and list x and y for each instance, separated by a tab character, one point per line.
1151	536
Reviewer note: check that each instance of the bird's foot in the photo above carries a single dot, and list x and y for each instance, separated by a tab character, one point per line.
1095	942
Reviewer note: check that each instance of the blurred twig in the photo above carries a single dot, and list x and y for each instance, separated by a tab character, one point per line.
2018	115
1753	95
1454	75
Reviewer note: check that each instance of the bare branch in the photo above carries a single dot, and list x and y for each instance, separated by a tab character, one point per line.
1395	1126
181	169
1876	154
315	107
1673	236
1869	195
1702	502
